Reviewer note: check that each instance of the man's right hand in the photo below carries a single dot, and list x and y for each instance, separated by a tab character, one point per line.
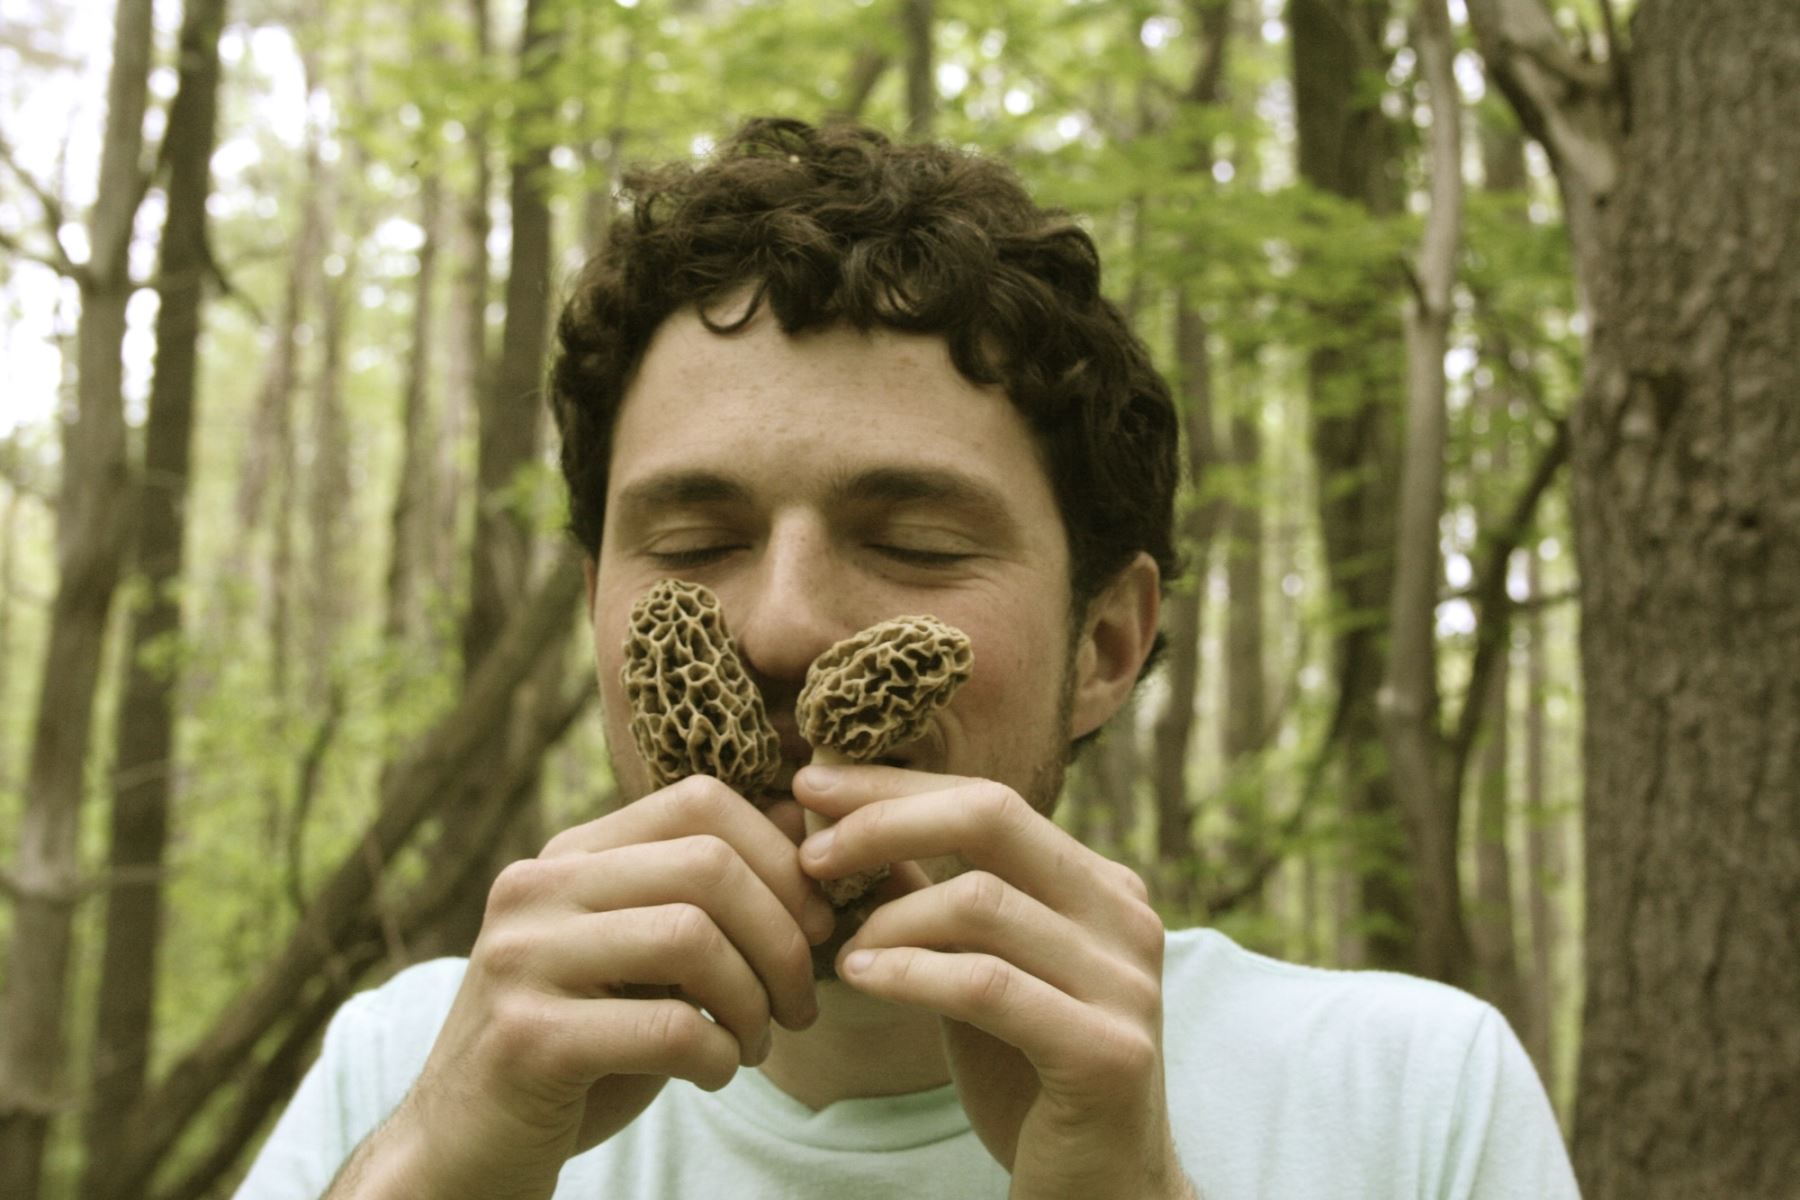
584	990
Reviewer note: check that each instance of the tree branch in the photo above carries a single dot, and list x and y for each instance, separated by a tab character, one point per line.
51	208
1493	605
1571	107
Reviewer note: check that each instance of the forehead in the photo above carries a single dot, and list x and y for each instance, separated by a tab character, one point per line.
784	412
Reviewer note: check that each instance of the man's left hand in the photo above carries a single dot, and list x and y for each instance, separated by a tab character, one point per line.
1043	958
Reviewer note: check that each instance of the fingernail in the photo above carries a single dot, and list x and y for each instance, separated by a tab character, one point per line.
819	920
819	844
820	779
857	961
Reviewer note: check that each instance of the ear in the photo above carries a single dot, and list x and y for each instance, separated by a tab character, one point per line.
1116	637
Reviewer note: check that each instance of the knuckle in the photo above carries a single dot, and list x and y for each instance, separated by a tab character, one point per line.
982	895
710	861
519	883
504	952
1000	810
687	926
673	1028
1134	886
1144	928
519	1028
990	982
699	800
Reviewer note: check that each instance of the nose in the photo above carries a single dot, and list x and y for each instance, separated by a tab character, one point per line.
791	607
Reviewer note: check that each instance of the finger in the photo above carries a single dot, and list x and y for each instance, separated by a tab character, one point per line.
704	871
978	911
701	804
1060	1035
577	1041
984	823
665	946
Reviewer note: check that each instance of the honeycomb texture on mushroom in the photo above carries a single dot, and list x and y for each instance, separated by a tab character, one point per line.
694	709
879	689
876	690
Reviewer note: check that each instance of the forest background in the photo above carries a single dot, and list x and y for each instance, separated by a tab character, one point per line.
1480	316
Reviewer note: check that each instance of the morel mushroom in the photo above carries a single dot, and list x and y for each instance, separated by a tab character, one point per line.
873	692
694	710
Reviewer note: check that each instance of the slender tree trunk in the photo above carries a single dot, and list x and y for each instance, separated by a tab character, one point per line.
1493	929
1686	471
1196	529
413	499
1244	727
465	377
1410	696
511	415
1348	148
90	539
144	766
916	20
1543	833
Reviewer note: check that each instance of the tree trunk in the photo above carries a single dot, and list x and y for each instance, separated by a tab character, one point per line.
90	540
1686	471
413	499
1410	696
916	18
1493	930
1244	726
1348	148
1543	862
466	354
511	414
143	770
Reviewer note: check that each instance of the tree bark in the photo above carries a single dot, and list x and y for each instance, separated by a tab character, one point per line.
1686	473
1410	696
1348	148
143	770
90	539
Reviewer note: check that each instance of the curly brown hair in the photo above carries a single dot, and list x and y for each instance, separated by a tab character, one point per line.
839	224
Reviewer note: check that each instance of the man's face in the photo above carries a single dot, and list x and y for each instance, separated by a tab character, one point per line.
824	483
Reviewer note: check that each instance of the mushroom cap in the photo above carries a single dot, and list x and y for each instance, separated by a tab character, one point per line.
879	688
694	710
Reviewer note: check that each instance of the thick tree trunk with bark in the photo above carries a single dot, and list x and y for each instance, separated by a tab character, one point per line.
1687	519
144	766
90	540
1348	148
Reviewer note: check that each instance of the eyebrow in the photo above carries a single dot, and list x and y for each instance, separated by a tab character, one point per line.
921	485
686	488
698	488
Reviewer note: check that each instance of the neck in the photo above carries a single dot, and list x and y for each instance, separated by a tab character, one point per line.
858	1047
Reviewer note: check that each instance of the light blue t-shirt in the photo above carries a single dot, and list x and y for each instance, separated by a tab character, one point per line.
1284	1082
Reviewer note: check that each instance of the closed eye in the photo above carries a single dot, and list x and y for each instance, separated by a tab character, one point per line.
697	556
922	558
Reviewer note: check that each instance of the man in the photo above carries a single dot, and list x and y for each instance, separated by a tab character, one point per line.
837	381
